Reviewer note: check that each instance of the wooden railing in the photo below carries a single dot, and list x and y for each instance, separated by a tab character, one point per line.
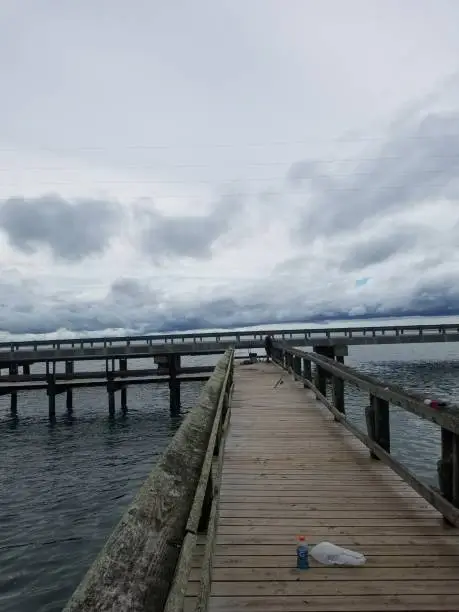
204	513
381	395
146	560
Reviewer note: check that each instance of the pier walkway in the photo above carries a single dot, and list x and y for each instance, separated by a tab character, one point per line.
289	468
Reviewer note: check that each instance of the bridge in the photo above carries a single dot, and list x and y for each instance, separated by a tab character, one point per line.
195	343
269	453
167	351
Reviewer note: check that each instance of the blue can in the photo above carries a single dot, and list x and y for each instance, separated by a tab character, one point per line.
302	554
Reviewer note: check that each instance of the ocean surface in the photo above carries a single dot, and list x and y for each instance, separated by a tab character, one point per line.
64	487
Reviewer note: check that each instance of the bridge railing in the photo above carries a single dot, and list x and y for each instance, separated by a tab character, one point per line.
235	336
146	561
381	395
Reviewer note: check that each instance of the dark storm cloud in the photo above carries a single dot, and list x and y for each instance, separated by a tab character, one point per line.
134	307
71	229
417	163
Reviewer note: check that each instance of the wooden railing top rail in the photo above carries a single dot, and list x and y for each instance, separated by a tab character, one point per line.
136	568
446	416
165	338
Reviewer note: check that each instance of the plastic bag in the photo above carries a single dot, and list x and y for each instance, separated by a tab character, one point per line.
330	554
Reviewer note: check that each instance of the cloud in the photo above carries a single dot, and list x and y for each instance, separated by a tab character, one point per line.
417	164
296	248
164	237
129	289
378	249
134	306
72	230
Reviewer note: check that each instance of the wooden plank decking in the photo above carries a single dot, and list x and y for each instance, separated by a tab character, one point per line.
290	469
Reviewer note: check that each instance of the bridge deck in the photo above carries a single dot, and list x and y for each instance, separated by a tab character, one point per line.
290	469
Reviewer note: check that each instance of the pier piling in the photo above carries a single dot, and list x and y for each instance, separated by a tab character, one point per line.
69	370
14	405
173	362
124	400
51	392
111	398
13	369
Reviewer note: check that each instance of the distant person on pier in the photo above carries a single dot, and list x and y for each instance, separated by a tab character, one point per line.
268	347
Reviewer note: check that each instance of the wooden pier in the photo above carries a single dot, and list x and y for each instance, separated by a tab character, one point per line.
290	468
113	380
269	454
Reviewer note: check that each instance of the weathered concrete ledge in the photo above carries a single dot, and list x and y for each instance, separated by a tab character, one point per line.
134	570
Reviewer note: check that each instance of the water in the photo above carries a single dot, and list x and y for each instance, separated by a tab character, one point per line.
432	369
65	487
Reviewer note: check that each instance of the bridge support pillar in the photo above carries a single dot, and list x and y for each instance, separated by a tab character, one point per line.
341	351
173	363
326	351
334	351
26	369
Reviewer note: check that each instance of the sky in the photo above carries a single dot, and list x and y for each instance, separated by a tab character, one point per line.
175	165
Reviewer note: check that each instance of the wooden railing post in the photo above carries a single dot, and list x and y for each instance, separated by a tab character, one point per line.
225	407
297	366
448	467
338	393
307	371
206	505
378	424
278	356
320	381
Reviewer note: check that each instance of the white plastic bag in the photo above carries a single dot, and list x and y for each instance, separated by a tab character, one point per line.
330	554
